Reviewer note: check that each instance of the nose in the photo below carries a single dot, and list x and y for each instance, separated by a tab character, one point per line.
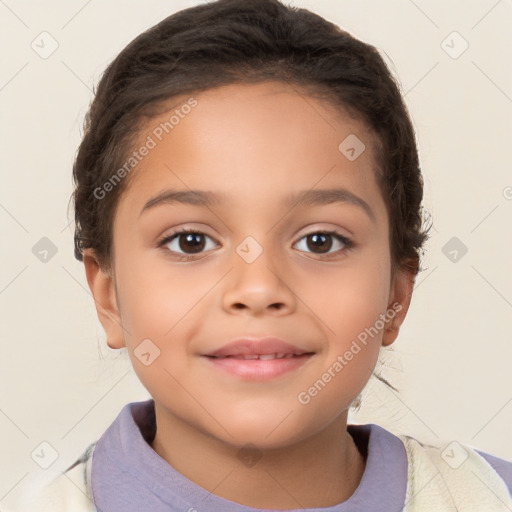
258	286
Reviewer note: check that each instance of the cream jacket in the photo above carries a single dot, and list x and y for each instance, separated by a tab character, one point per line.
433	485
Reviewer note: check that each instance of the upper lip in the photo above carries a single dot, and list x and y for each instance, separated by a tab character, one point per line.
257	346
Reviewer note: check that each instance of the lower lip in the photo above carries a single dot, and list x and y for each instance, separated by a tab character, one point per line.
257	369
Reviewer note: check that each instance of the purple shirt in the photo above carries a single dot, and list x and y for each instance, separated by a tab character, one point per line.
128	475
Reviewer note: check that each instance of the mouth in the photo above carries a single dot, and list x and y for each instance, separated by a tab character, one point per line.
258	360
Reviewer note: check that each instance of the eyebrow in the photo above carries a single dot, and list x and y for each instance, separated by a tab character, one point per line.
318	197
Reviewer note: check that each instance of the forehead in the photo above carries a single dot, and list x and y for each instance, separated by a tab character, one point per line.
260	140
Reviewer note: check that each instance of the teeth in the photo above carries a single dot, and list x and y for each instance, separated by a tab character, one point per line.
265	357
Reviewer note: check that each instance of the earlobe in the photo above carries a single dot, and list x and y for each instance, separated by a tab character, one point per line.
103	290
399	301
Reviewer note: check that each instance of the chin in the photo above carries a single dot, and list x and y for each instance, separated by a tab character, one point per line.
264	434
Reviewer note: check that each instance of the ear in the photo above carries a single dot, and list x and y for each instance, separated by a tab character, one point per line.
399	300
102	286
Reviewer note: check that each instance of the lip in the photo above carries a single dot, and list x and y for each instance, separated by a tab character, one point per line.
241	358
257	346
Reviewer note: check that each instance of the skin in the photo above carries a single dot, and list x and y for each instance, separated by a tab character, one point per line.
257	144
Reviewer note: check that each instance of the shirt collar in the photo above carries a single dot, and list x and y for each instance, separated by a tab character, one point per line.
128	475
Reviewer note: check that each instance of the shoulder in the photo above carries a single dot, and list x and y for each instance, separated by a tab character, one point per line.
455	474
69	491
501	466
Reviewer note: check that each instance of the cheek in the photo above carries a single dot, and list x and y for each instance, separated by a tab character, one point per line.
158	309
349	305
156	296
350	298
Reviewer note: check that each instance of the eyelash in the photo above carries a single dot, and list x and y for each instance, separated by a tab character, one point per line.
347	242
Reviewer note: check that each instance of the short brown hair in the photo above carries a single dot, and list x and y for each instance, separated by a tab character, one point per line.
246	41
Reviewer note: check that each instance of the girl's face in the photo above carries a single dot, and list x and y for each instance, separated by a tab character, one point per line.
257	266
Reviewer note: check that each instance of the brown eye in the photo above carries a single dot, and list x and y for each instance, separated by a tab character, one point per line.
187	242
193	241
321	242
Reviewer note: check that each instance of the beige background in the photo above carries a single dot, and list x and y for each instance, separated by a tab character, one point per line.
60	382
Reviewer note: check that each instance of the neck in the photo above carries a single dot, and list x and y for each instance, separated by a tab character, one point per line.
320	471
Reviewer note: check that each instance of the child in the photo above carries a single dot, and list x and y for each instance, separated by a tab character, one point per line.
255	132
